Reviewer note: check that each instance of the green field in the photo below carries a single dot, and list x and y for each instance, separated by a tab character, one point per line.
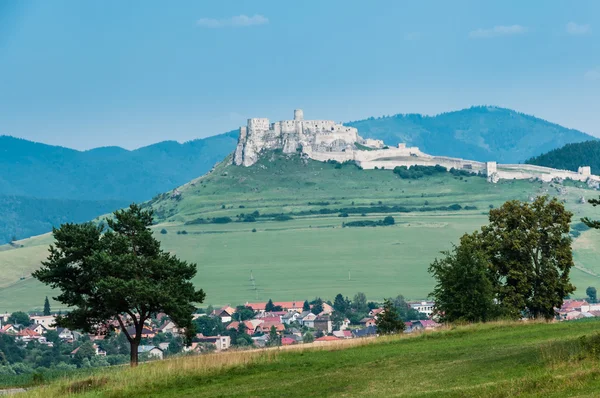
312	255
494	360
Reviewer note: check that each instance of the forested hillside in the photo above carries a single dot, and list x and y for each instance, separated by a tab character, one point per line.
571	156
44	171
21	217
478	133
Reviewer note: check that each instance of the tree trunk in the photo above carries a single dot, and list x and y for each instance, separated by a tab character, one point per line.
133	355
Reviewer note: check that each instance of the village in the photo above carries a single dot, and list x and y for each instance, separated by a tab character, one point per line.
251	325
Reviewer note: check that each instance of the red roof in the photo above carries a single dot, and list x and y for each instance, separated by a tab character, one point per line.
28	333
287	341
327	338
286	305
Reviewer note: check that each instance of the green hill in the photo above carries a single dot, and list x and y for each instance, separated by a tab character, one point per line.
304	245
51	172
494	360
24	216
479	133
571	156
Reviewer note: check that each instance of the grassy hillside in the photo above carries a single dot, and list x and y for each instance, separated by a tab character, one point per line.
571	156
22	217
494	360
478	133
44	171
313	254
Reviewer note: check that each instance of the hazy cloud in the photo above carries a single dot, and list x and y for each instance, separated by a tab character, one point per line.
497	31
576	29
238	21
592	74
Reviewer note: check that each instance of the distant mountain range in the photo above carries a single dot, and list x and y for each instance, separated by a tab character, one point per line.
52	175
480	133
571	156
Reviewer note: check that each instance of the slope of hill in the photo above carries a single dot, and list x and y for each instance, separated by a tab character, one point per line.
23	216
304	245
50	172
493	360
478	133
571	156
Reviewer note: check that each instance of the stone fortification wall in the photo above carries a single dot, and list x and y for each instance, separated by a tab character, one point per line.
326	140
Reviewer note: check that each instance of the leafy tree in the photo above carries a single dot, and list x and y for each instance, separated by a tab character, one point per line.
274	338
592	223
359	303
85	351
269	307
308	337
47	306
530	251
19	318
243	313
389	220
389	321
518	265
119	275
591	293
406	312
464	290
340	304
317	307
209	326
306	306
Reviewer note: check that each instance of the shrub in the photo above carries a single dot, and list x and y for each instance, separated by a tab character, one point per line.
163	231
253	229
283	217
389	220
221	220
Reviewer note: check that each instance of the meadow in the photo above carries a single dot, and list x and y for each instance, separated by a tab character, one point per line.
313	254
504	359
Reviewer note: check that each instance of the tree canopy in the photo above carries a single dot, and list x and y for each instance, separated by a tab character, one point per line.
517	265
118	275
389	321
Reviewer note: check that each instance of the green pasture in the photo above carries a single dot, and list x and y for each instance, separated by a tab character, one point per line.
312	255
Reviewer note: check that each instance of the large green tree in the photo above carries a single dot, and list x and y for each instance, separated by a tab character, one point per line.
119	275
389	321
518	265
529	248
465	288
47	310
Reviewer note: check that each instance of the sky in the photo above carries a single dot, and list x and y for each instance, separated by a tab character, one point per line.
84	74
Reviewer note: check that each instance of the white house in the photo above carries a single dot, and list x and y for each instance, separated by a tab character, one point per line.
151	350
424	307
46	321
307	319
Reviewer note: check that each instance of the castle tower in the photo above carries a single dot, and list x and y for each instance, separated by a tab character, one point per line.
298	115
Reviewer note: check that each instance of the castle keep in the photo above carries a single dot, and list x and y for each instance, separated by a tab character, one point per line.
326	140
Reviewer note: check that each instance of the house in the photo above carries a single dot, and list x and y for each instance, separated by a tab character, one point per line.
250	326
221	342
369	331
323	323
375	312
295	337
151	351
368	322
294	331
27	335
288	341
426	324
169	327
327	309
307	319
575	305
9	329
97	349
67	335
285	305
224	313
290	317
345	324
343	334
423	307
165	346
261	341
325	339
265	327
47	321
38	328
147	333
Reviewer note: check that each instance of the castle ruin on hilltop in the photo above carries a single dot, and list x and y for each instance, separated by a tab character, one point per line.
324	140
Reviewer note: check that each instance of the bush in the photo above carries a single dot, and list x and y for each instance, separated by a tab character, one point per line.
221	220
283	217
389	220
253	229
163	231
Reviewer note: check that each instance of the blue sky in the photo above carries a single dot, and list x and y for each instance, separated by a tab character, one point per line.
84	74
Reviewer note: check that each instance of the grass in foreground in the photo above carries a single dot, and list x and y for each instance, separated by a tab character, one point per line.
493	360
